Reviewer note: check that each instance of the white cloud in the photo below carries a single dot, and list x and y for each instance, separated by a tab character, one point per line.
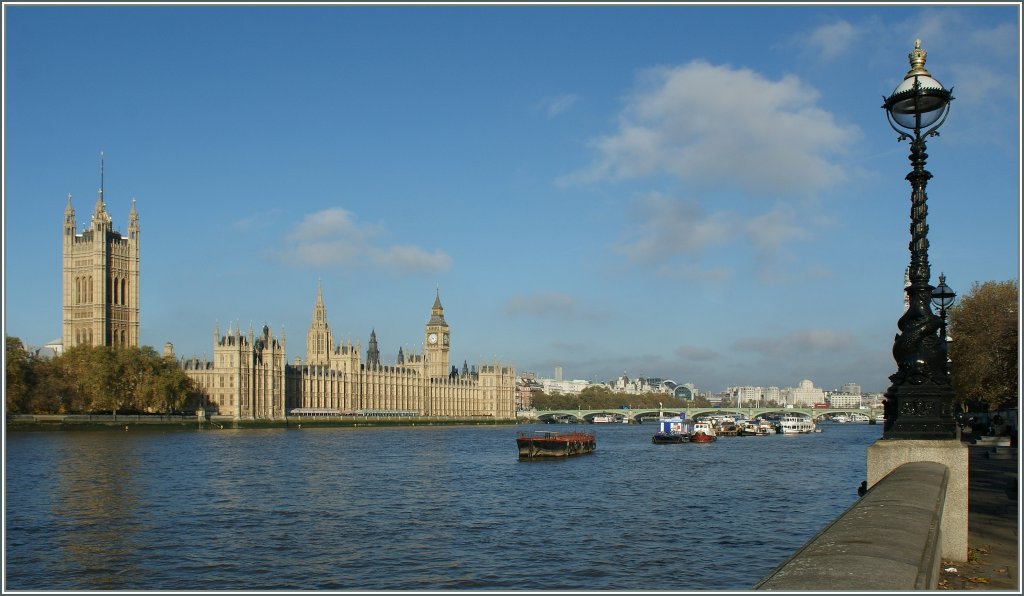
833	40
411	258
333	222
771	230
332	237
257	221
721	126
556	105
674	234
1003	40
665	227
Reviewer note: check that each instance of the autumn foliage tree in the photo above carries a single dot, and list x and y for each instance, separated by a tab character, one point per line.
984	349
93	379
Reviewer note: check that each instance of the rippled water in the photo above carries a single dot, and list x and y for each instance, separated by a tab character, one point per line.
420	508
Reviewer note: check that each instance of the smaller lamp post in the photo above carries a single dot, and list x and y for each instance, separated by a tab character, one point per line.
943	297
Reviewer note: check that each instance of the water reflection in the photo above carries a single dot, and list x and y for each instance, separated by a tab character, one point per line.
96	508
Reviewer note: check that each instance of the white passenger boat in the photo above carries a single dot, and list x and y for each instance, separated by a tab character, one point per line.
793	424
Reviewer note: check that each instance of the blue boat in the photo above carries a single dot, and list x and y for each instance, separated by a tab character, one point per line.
672	430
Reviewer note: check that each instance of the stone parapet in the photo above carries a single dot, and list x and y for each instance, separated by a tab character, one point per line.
889	540
886	455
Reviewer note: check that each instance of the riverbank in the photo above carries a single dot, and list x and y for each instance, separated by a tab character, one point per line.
73	422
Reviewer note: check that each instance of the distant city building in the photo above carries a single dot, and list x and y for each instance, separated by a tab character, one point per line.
526	386
558	373
844	400
642	385
623	384
551	386
804	395
746	396
100	280
851	388
873	400
685	391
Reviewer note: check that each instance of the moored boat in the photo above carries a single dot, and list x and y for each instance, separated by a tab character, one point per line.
792	424
672	430
664	438
554	444
751	428
703	432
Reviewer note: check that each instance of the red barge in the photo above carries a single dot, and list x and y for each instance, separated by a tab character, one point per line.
554	444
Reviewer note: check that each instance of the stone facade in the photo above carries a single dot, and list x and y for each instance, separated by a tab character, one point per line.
101	280
248	377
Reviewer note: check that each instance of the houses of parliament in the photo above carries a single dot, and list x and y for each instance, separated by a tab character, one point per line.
248	377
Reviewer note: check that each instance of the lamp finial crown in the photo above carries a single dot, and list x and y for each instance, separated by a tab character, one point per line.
917	58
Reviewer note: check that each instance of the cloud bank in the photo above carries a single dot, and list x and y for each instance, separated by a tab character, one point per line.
716	125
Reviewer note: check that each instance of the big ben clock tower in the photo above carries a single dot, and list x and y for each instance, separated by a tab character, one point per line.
437	341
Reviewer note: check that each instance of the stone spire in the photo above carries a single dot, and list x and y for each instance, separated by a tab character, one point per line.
100	217
437	312
372	353
133	222
69	218
319	340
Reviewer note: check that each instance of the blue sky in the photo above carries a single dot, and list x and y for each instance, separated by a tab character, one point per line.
709	194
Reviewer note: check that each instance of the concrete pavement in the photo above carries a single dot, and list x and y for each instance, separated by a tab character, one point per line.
993	522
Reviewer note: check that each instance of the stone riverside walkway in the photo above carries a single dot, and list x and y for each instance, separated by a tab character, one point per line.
993	530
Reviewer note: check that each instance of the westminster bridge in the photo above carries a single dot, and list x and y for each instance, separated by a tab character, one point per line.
635	415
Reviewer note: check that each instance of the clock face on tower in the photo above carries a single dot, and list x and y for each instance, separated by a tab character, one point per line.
432	338
446	339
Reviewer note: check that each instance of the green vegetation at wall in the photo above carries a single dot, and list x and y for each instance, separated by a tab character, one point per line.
93	379
596	398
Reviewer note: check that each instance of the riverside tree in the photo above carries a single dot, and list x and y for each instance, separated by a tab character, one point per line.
984	346
602	397
92	379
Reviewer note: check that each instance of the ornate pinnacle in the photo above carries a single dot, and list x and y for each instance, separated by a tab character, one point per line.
917	58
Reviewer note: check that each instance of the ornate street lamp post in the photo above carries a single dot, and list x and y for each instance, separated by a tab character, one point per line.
943	297
919	403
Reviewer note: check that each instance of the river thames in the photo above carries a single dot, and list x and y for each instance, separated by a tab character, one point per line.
415	508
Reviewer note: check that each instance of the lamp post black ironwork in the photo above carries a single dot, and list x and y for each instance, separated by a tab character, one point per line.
943	297
919	403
